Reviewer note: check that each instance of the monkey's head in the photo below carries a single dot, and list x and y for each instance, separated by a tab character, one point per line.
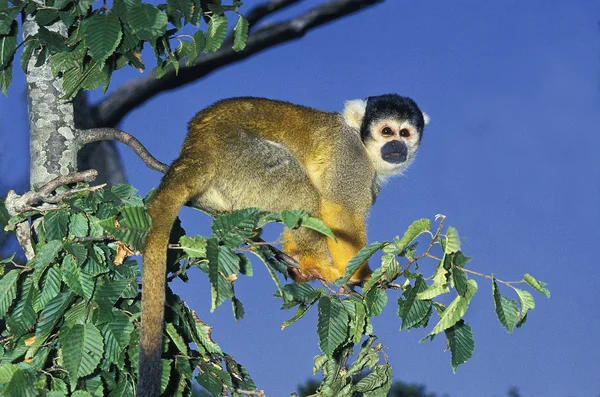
391	127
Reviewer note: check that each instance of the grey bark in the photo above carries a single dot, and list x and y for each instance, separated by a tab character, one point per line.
51	127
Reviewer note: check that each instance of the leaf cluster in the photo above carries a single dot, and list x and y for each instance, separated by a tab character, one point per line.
100	40
72	313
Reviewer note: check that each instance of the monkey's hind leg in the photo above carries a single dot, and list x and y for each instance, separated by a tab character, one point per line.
349	229
310	249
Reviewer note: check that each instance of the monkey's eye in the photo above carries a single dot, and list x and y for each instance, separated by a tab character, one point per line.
404	133
387	131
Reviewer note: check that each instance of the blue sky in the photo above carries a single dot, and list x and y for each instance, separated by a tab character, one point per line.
510	157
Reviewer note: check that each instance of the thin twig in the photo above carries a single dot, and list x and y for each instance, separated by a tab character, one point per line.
113	134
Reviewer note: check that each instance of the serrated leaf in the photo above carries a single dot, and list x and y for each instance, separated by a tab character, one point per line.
452	240
355	263
147	21
376	299
455	310
5	79
194	247
506	309
319	362
198	42
238	308
539	286
414	230
332	324
8	46
50	316
71	275
165	374
106	295
133	226
176	338
241	34
318	225
526	299
7	17
82	348
50	287
460	280
101	34
291	218
215	32
203	333
412	310
300	312
461	343
234	227
45	256
78	225
380	376
22	317
8	290
56	223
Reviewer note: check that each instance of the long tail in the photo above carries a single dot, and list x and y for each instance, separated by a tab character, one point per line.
172	194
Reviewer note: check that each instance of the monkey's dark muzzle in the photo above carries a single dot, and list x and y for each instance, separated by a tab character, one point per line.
394	152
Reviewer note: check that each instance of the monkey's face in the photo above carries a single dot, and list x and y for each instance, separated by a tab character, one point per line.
391	127
392	145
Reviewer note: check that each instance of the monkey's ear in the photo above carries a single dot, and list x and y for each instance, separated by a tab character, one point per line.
354	112
426	118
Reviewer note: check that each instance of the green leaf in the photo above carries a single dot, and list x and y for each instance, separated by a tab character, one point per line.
45	256
234	227
300	312
439	286
202	335
215	33
455	310
82	348
8	290
16	382
452	240
107	293
5	79
318	225
355	263
72	276
376	299
7	17
380	377
411	310
194	247
56	223
527	301
506	309
198	42
147	21
461	342
539	286
8	46
78	225
414	230
133	226
23	317
332	324
50	287
291	218
176	338
238	308
51	315
4	217
460	280
241	34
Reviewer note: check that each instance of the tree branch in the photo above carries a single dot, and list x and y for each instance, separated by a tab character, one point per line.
135	93
112	134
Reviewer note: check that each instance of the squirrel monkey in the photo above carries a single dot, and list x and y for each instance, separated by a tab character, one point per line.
252	152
